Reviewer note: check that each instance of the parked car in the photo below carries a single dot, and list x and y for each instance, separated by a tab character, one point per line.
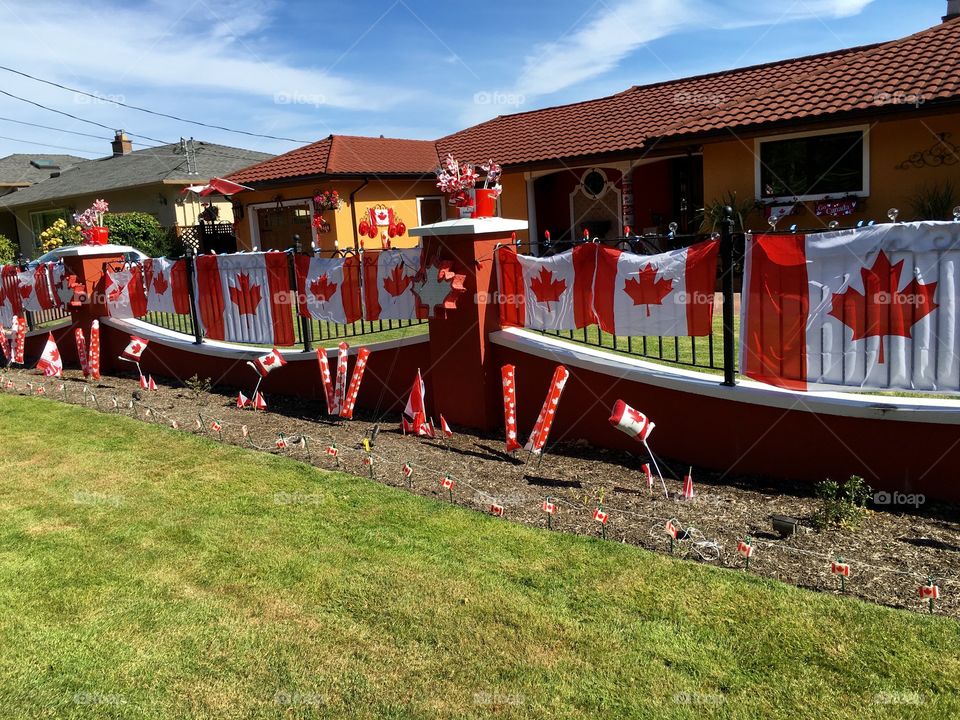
129	254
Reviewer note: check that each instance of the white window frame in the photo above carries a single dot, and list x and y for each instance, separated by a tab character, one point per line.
443	206
863	192
253	213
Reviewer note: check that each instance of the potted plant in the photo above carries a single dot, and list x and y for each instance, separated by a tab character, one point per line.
91	223
459	182
324	200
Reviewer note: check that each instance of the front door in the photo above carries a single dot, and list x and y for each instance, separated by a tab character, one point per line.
278	226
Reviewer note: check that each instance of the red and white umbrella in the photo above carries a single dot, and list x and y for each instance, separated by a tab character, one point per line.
216	186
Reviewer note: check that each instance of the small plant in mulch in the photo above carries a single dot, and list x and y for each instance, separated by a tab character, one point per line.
842	504
198	387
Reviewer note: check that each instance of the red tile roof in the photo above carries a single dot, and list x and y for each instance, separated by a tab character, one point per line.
873	77
346	155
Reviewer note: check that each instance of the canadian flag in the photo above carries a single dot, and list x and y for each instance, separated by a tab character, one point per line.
600	516
381	216
125	297
632	422
265	364
245	298
554	293
496	510
444	428
10	301
929	592
667	294
549	508
242	401
38	287
688	492
329	288
871	308
50	362
745	549
407	470
415	409
838	568
388	284
135	348
166	283
259	402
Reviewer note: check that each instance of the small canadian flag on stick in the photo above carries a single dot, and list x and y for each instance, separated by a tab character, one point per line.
407	470
840	568
496	510
688	493
600	516
447	483
930	592
332	451
215	426
549	507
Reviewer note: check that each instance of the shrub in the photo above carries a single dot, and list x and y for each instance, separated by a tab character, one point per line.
58	235
842	504
8	251
713	212
935	202
138	230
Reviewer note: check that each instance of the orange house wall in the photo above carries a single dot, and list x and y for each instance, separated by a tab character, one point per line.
729	166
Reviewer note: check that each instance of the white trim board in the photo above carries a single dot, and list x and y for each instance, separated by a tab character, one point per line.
924	410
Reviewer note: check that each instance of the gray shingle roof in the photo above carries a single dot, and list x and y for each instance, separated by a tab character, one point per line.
17	170
164	163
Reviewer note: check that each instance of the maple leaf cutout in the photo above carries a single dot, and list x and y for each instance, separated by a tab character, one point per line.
25	291
322	288
398	282
244	295
882	309
546	289
645	289
160	284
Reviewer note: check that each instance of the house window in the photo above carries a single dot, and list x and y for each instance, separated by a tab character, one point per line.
40	221
809	166
431	209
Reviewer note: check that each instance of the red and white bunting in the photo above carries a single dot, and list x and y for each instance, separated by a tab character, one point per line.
329	288
632	422
134	348
259	402
496	510
510	406
166	284
688	492
929	592
245	297
346	411
445	429
600	516
541	431
50	361
125	297
839	568
549	508
242	401
81	351
94	357
340	388
745	549
447	483
265	364
407	470
19	339
326	379
670	529
388	284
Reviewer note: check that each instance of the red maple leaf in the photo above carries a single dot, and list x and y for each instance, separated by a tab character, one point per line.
54	355
546	289
160	284
636	416
244	295
25	291
268	360
398	282
322	288
645	289
882	309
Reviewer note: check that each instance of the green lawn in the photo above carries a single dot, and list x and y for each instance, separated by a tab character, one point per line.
146	573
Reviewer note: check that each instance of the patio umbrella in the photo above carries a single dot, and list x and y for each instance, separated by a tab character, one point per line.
216	186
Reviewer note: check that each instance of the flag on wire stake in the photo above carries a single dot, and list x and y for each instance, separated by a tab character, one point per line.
447	484
114	402
244	432
930	592
414	412
259	402
745	548
671	531
368	461
407	470
50	361
263	366
217	428
601	517
839	567
281	442
638	426
41	390
549	509
688	485
496	510
242	401
333	452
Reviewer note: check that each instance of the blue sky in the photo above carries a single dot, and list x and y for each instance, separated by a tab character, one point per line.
401	68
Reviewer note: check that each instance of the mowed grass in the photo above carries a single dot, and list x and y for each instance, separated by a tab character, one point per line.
146	573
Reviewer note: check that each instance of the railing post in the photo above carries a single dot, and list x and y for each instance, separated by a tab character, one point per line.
726	270
194	313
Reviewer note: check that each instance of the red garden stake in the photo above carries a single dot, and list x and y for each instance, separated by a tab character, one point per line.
745	548
841	569
930	592
550	508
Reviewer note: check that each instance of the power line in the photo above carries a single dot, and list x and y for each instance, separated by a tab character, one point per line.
58	147
63	130
152	112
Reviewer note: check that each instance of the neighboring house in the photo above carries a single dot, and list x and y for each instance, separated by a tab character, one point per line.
844	135
23	170
366	172
149	180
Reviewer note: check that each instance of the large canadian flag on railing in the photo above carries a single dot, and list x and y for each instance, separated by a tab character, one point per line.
329	288
666	294
10	302
388	284
38	287
554	293
245	298
125	297
166	283
871	308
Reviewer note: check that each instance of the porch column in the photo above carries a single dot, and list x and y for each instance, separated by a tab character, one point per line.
461	381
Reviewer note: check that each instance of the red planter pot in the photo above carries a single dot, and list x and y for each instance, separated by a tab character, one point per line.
486	203
97	235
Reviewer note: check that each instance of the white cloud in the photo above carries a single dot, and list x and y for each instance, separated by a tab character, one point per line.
614	31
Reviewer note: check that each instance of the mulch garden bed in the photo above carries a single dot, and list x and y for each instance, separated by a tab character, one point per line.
891	555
